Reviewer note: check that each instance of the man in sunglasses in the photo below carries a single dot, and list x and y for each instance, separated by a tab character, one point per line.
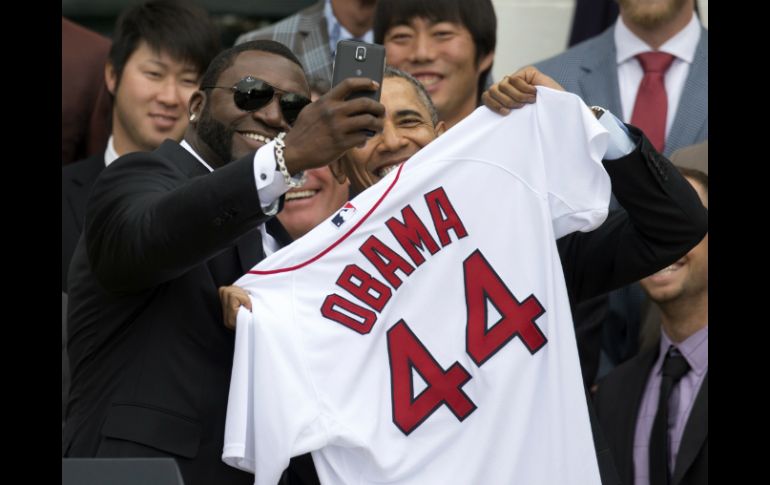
657	199
150	355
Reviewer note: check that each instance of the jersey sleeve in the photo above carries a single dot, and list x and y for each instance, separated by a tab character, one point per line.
572	144
272	396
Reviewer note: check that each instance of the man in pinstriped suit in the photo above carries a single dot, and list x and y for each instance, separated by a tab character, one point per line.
312	33
604	71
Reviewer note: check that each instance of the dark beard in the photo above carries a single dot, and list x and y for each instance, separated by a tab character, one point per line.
217	136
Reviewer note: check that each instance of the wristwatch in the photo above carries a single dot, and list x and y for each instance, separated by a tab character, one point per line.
598	111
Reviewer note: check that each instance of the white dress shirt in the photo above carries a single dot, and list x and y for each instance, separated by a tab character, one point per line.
682	46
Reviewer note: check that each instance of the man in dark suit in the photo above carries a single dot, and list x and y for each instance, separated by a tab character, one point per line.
160	49
627	400
149	353
159	52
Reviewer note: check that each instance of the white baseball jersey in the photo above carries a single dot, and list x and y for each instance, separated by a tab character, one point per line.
423	334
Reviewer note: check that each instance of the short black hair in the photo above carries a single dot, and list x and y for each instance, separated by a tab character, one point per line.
422	93
180	28
226	58
478	16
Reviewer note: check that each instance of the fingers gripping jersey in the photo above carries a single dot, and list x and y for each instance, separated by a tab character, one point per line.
424	336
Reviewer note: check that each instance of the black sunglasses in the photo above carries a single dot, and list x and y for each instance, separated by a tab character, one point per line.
251	94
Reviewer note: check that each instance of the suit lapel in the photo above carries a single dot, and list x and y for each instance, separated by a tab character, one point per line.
695	433
184	160
250	250
599	84
693	105
275	229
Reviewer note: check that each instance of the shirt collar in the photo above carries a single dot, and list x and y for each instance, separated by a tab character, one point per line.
338	32
694	348
190	149
110	155
682	45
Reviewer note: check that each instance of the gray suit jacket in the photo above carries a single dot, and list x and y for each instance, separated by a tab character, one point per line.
307	35
590	71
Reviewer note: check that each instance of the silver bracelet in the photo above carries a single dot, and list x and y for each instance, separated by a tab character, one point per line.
292	182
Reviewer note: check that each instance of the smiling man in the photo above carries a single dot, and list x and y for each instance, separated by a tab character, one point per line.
411	122
357	299
318	198
631	393
159	52
149	354
448	45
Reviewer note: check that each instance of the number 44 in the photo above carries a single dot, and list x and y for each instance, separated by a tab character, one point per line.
406	352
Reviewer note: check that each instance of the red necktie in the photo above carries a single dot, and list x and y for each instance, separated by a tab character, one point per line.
651	102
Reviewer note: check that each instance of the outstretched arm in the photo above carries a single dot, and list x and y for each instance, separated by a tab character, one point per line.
662	218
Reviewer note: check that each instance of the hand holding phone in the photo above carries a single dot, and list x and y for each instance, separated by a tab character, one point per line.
333	124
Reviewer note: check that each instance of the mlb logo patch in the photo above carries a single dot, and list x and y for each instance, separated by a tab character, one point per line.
344	214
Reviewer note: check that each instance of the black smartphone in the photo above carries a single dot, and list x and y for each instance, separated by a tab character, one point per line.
359	59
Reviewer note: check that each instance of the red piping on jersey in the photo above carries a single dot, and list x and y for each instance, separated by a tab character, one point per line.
338	241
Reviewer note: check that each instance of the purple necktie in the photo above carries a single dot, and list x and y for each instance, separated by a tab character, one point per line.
674	368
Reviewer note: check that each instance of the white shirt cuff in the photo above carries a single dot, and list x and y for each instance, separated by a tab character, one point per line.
620	143
270	183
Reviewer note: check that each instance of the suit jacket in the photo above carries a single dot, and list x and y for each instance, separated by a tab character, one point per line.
149	355
307	35
656	200
617	405
76	181
627	246
589	70
86	105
